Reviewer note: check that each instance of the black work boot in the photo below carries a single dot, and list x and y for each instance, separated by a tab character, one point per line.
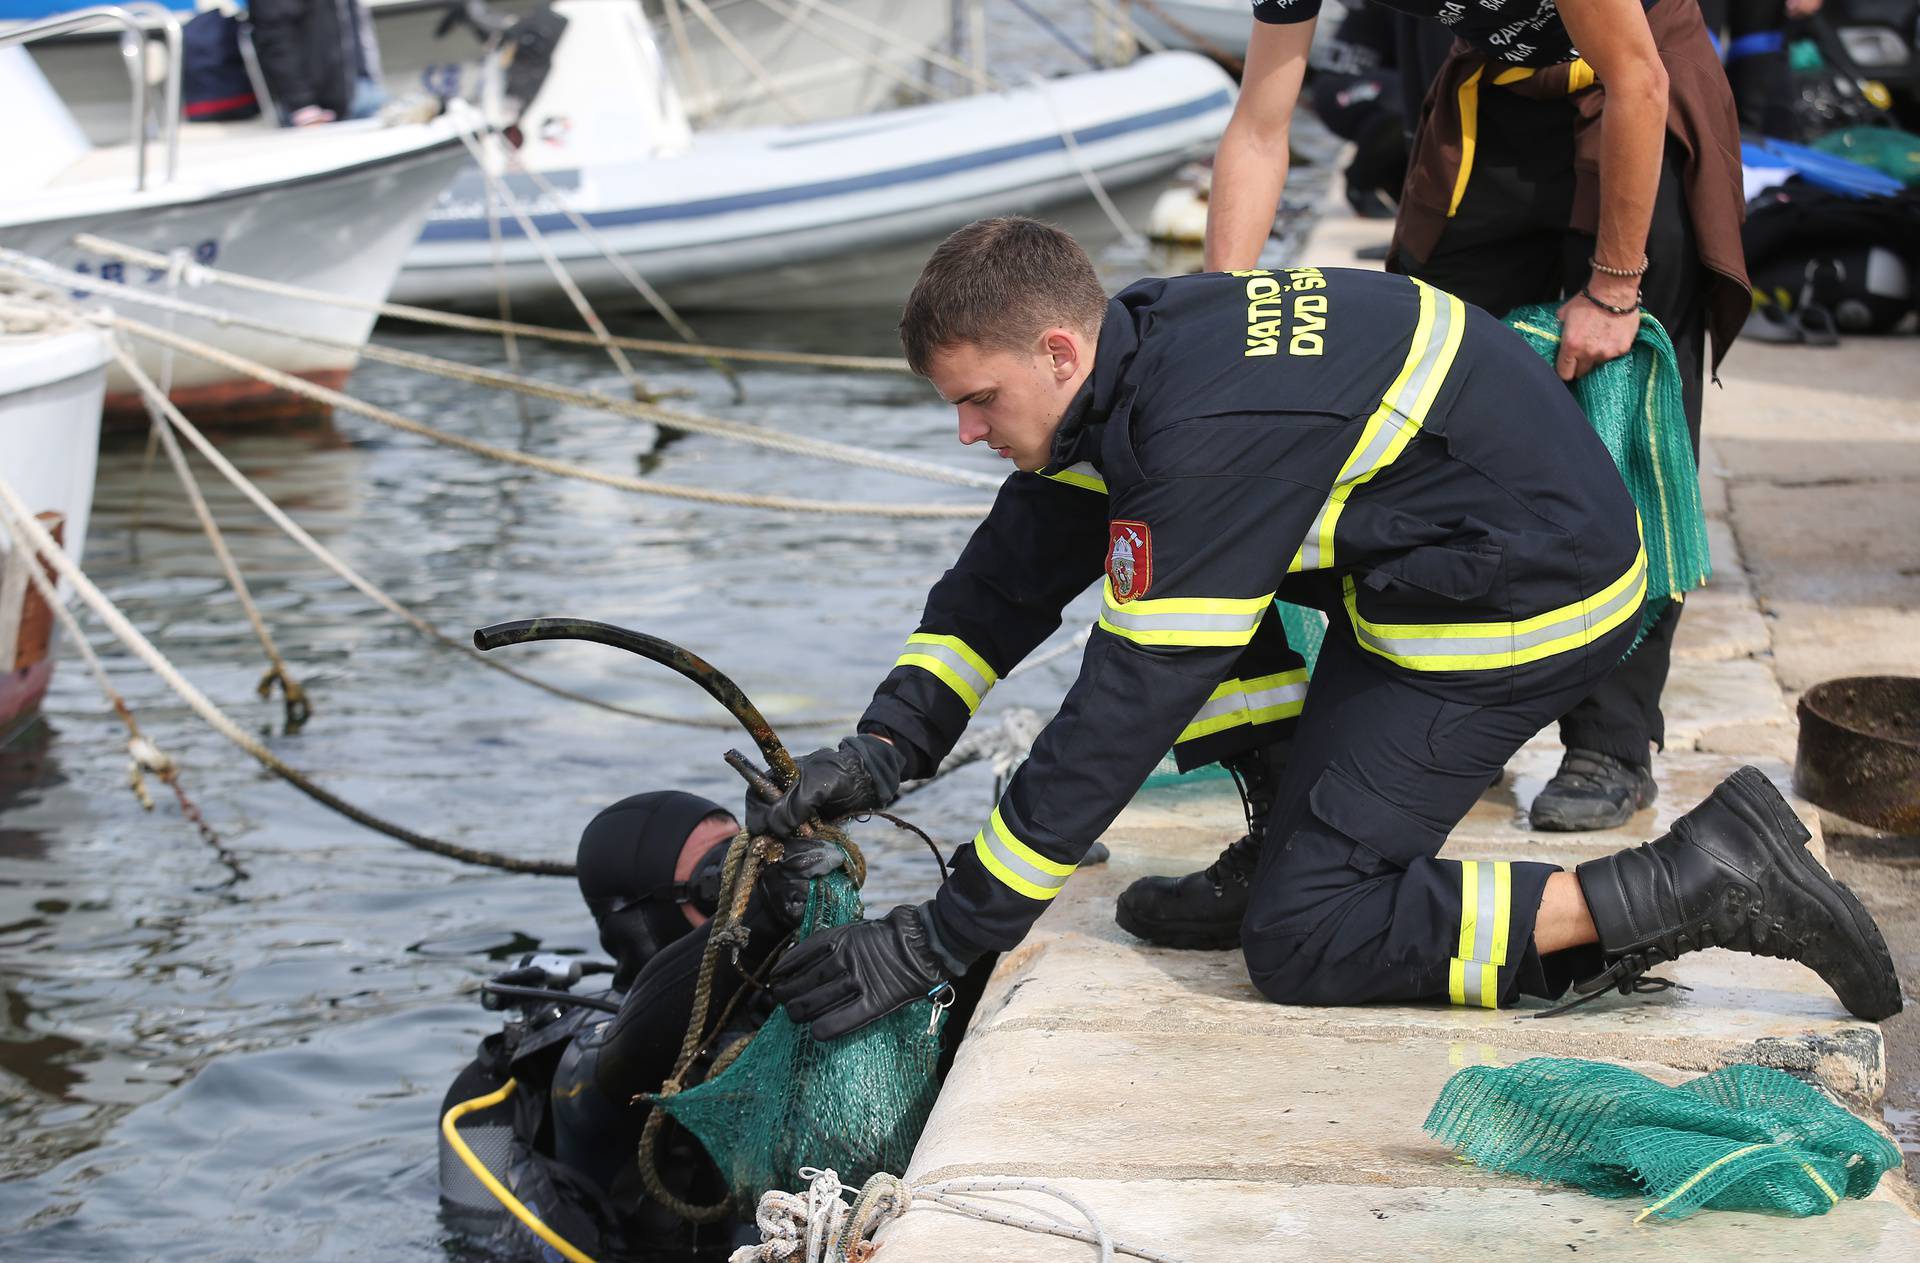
1204	909
1592	791
1735	872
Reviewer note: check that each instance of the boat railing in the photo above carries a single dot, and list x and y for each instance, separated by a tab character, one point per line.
133	51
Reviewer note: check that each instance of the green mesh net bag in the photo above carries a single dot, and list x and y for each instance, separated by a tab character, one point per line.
1743	1138
1634	406
855	1104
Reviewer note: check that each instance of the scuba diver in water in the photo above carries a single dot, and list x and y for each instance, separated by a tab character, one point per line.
551	1108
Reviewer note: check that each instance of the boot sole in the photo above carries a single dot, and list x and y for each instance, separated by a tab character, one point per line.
1187	935
1841	904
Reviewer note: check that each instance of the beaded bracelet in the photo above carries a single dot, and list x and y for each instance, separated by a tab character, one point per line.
1604	270
1609	308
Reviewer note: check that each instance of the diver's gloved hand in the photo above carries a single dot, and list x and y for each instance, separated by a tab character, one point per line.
862	774
841	979
786	883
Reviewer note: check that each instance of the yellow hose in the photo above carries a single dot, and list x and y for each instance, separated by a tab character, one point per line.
500	1194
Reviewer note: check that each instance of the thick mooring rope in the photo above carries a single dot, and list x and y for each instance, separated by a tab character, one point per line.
29	268
42	543
819	1225
563	469
196	274
360	583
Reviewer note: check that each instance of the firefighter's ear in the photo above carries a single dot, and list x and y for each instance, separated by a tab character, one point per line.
1065	350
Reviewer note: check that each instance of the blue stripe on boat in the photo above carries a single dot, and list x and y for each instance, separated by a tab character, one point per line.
476	229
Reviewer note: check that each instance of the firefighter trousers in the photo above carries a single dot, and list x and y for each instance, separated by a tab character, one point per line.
1349	903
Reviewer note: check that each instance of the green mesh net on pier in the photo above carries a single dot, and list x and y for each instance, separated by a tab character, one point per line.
855	1104
1635	407
1743	1138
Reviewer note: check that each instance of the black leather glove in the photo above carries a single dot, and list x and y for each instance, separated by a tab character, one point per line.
862	774
841	979
785	884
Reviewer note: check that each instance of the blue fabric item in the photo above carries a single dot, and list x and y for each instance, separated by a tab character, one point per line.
1754	44
1824	170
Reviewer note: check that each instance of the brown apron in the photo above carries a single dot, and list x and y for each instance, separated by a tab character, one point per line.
1700	118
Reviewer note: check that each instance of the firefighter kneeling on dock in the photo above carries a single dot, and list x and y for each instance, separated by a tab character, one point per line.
1357	442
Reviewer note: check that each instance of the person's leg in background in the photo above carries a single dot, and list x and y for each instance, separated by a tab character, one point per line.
1610	734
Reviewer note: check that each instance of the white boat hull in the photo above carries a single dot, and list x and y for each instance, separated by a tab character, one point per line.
814	70
51	386
343	229
833	214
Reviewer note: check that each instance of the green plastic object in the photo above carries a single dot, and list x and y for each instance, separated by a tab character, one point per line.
1805	58
1742	1138
1634	405
1887	150
856	1104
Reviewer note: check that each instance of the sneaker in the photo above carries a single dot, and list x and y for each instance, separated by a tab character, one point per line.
1592	791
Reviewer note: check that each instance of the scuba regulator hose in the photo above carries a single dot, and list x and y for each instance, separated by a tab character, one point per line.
449	1128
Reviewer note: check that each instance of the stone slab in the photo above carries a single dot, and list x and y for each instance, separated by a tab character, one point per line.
1706	695
1240	1221
1718	625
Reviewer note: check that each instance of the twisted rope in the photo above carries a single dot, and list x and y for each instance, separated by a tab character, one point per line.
819	1226
39	542
294	531
563	469
29	268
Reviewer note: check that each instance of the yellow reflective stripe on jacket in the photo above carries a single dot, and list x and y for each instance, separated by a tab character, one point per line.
1261	700
1402	411
1486	916
1083	475
1490	646
1019	867
1183	622
953	662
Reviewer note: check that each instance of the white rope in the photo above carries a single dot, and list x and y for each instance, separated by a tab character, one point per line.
28	267
563	469
797	18
16	515
627	271
745	58
818	1226
294	531
561	276
198	274
1133	239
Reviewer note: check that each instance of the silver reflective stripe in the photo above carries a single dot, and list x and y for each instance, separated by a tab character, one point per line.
1475	646
1373	457
1278	695
1486	915
1082	475
1228	704
1470	975
1228	624
980	684
1015	870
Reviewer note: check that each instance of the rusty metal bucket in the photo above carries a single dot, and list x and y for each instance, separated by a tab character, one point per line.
1859	752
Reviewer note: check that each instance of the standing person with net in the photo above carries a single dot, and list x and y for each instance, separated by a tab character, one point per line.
1354	441
1577	152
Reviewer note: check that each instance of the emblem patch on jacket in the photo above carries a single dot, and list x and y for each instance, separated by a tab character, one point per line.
1129	559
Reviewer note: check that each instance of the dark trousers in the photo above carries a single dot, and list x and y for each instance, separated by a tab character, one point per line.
1509	245
1349	903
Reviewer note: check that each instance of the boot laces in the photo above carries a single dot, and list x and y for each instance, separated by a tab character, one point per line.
1590	769
1236	863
